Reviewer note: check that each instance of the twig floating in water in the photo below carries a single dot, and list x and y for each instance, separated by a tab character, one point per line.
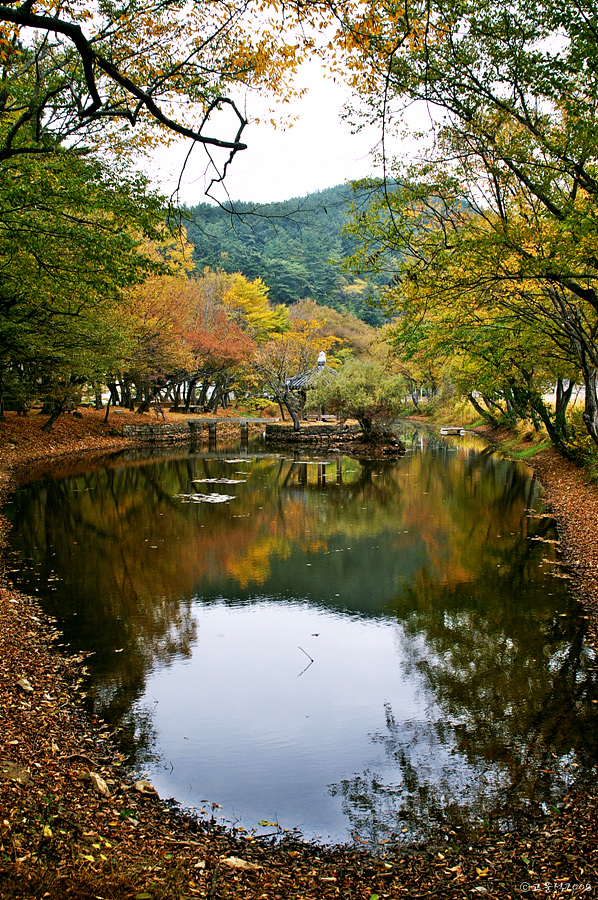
310	663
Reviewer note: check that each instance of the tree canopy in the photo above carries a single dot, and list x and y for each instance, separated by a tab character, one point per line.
72	236
136	72
502	200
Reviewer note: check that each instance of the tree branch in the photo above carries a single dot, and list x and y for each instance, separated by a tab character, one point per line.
91	59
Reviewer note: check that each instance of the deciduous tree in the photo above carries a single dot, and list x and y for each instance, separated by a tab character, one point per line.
72	238
511	93
287	364
361	389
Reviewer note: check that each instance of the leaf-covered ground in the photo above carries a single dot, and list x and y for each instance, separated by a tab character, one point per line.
74	825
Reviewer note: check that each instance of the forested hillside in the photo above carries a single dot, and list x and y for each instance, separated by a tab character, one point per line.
296	247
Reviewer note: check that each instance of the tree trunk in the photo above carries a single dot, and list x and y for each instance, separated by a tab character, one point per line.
295	417
125	394
215	399
108	407
113	393
150	395
590	415
585	350
366	426
176	398
58	409
291	404
190	393
563	398
203	393
484	413
556	435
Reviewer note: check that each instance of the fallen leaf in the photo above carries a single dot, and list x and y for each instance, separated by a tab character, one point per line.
99	784
235	863
144	787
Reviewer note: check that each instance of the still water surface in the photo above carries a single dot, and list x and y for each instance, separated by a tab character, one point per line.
353	648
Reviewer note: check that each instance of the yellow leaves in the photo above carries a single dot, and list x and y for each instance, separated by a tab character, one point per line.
252	567
181	55
248	305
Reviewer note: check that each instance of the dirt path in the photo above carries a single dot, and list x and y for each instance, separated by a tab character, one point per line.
73	824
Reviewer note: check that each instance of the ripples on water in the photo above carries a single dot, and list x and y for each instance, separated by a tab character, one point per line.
358	649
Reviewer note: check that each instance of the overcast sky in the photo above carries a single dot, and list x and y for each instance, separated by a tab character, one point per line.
317	152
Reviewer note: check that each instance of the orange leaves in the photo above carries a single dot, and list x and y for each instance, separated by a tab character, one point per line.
154	325
217	343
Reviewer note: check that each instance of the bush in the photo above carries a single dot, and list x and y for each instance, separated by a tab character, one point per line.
362	390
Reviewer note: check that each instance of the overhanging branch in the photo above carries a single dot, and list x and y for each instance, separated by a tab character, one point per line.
91	60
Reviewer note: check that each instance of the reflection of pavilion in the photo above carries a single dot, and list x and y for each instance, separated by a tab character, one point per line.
318	473
299	472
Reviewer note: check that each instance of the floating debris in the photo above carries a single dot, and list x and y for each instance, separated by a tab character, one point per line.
219	481
204	498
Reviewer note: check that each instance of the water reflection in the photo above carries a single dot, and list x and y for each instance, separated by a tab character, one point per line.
450	675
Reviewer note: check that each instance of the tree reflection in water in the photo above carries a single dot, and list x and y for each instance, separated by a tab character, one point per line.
519	734
448	542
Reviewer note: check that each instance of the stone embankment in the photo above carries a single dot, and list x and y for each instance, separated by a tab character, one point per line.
322	434
331	437
192	429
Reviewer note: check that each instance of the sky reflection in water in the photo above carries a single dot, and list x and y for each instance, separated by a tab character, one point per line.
449	674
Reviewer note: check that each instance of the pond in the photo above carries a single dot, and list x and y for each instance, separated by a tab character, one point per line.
356	649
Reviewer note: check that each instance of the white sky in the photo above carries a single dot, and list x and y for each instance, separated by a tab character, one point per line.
317	152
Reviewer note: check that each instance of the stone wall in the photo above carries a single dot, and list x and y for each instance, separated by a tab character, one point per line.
320	434
193	429
159	431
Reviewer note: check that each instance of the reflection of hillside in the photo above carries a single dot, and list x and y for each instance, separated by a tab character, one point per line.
109	520
121	557
122	537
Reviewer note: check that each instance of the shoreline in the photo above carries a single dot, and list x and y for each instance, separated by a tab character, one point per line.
573	501
74	825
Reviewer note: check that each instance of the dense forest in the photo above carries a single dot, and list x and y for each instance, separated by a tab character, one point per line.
297	248
477	247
